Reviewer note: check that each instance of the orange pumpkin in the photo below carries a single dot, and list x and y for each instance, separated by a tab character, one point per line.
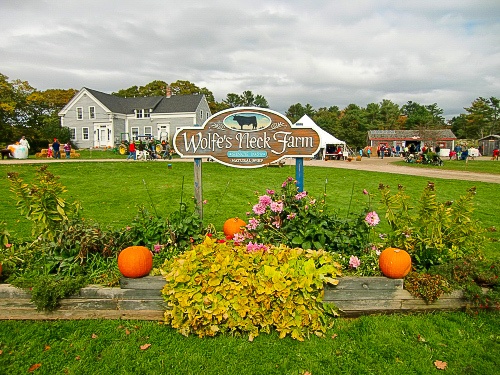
135	261
233	226
394	263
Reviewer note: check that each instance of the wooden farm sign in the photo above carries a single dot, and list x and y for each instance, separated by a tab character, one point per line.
246	137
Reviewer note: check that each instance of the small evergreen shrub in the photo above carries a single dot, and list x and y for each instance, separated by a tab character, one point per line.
218	287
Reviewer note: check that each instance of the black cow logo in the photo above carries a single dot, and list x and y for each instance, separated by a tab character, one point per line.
246	120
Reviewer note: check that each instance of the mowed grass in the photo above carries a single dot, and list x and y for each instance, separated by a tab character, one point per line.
110	192
397	344
480	165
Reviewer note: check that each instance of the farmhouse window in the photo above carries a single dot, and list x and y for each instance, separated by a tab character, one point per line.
79	113
91	113
72	134
85	133
148	131
142	113
135	133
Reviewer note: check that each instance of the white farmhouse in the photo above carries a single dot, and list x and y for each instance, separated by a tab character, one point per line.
97	119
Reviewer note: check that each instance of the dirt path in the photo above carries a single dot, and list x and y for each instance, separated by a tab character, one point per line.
366	164
387	165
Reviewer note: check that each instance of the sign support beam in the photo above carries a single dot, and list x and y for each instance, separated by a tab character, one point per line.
198	189
299	173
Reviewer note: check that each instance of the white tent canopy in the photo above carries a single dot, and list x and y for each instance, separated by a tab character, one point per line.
325	137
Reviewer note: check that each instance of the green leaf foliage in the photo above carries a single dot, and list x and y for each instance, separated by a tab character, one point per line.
218	287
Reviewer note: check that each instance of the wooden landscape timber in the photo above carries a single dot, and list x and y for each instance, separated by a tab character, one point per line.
141	299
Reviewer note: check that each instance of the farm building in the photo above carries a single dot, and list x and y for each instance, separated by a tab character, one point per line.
97	119
444	138
488	144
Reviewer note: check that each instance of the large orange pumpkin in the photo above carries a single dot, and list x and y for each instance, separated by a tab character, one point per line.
233	226
135	261
394	263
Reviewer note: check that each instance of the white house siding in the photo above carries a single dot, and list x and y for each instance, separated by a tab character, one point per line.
70	120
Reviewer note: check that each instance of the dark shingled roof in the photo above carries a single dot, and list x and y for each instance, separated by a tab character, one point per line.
159	104
411	134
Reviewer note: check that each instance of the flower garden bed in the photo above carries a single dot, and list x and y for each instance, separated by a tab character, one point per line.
141	299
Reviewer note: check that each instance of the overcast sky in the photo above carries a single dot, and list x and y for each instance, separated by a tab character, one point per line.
321	52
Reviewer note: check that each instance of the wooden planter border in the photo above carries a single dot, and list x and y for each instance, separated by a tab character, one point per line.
141	299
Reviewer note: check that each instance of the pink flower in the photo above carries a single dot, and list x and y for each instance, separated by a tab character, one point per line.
157	248
300	195
253	247
277	206
205	201
253	224
277	224
372	218
265	200
354	262
259	209
291	216
7	245
270	192
365	192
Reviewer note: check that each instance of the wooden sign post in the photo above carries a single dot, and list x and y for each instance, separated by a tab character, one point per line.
246	137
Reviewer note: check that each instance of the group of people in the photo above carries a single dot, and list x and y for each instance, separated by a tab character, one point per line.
54	150
147	150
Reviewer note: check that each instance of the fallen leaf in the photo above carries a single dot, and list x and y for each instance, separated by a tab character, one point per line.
94	336
47	347
127	332
77	358
421	338
334	336
1	352
307	373
145	346
440	365
34	367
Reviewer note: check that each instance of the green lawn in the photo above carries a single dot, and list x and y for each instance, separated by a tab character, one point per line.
482	165
397	344
110	192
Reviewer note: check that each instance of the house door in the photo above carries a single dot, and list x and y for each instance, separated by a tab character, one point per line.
163	132
103	136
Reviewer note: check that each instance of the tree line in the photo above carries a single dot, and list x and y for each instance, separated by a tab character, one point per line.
24	110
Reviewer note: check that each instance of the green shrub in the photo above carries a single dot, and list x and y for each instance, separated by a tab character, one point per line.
432	233
218	287
42	202
293	218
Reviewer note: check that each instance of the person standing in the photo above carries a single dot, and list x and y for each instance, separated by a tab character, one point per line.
24	142
131	150
67	149
382	151
55	149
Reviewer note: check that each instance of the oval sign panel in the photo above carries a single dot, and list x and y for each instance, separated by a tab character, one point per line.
246	138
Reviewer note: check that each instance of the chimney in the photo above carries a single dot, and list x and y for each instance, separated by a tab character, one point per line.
169	91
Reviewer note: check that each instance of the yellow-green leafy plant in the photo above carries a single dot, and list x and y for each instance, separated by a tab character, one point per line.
222	288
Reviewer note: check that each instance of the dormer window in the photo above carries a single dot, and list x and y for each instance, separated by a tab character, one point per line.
142	113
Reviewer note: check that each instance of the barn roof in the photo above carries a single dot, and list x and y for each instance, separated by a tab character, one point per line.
441	134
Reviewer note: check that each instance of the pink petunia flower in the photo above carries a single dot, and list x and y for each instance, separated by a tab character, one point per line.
291	216
270	192
365	192
372	218
157	248
354	262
